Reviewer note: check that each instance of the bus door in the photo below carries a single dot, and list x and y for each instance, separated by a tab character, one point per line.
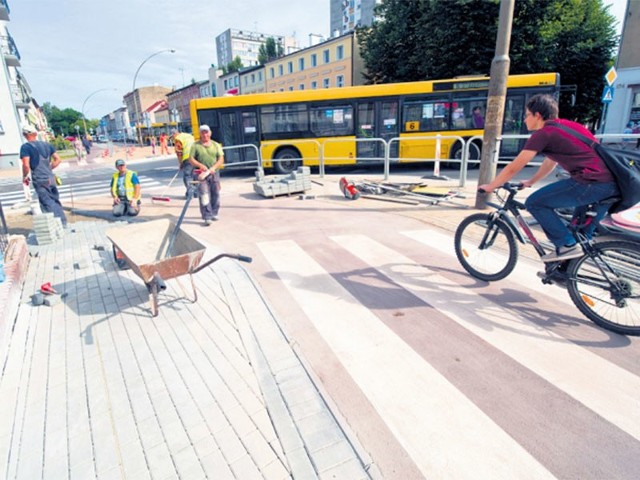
239	127
377	119
513	124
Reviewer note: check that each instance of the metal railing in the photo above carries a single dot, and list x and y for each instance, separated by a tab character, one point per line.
257	161
387	159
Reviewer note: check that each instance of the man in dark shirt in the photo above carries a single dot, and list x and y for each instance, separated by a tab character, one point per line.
39	159
590	180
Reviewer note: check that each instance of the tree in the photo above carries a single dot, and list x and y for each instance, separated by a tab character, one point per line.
431	39
233	66
270	50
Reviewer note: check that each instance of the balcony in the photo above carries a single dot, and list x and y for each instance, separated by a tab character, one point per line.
4	10
21	98
10	51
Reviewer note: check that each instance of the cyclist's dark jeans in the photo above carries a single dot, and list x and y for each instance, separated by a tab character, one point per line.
563	194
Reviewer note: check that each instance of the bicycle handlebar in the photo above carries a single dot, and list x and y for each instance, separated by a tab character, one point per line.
509	186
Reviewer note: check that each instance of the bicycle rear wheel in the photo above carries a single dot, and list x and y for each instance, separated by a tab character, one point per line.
486	247
606	287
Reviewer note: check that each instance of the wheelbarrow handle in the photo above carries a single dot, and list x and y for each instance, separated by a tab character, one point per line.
241	258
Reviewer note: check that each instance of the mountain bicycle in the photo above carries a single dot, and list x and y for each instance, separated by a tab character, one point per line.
604	283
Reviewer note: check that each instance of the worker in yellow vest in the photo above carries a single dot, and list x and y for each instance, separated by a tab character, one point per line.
125	190
182	143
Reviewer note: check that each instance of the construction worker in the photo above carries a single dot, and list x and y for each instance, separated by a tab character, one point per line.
38	160
125	190
182	143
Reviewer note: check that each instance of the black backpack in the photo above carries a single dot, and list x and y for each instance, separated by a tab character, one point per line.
623	165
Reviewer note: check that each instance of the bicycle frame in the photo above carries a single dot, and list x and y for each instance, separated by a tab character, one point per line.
520	226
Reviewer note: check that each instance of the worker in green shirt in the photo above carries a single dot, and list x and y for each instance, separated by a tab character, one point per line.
207	156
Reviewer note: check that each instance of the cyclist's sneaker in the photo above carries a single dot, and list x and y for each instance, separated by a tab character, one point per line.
556	278
563	253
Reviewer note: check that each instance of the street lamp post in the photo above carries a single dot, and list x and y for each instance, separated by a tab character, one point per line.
133	88
84	120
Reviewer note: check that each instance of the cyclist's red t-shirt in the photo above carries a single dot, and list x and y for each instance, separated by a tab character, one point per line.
582	163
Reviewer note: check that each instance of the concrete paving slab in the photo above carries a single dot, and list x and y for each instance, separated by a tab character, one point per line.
100	388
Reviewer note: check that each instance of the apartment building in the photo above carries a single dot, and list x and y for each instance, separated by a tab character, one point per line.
178	102
138	101
625	106
16	105
333	63
245	44
346	15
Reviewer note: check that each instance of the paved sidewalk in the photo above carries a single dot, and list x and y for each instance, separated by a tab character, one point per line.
96	387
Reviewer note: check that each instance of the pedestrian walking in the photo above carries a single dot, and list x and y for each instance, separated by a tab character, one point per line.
153	141
207	156
86	142
164	139
38	160
125	190
81	154
182	143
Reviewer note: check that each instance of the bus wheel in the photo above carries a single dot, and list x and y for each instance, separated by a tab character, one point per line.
475	152
286	161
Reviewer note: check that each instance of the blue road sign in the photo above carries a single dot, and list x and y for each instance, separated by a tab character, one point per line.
607	94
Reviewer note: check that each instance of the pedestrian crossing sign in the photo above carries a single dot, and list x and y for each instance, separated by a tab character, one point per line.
607	94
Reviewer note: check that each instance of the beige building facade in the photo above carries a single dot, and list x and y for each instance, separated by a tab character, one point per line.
334	63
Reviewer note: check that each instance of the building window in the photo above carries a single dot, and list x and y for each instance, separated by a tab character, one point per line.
301	86
325	83
272	72
340	81
314	85
289	67
339	52
259	76
280	70
301	64
314	59
291	88
325	56
253	78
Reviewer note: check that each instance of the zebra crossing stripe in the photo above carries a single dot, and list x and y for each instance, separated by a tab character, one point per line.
423	409
85	189
525	273
562	363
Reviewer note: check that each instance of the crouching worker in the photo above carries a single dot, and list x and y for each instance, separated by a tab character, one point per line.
125	190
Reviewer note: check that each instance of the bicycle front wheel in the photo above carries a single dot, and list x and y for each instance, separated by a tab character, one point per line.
486	247
606	287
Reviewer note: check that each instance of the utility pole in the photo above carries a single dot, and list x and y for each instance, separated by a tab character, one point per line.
495	101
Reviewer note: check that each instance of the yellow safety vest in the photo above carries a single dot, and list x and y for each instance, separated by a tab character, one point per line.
129	188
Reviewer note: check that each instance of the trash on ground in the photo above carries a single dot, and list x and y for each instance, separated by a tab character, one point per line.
419	193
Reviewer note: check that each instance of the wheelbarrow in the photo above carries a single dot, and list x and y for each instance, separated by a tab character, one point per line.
158	251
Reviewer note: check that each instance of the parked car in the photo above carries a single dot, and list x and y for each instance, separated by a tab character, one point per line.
70	138
102	139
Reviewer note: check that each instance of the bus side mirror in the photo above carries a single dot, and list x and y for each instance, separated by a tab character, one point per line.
573	99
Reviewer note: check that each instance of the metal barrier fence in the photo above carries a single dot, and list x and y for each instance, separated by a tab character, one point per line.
257	161
380	144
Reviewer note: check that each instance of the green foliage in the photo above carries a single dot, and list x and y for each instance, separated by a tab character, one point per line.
65	121
431	39
234	66
269	51
60	143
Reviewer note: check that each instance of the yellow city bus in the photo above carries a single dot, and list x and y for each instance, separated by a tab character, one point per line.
289	127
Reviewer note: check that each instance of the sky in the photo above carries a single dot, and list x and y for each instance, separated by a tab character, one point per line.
70	49
77	53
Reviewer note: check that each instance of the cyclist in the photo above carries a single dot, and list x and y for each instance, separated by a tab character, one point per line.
590	180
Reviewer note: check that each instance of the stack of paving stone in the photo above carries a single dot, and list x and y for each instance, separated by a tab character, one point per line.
296	182
48	228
